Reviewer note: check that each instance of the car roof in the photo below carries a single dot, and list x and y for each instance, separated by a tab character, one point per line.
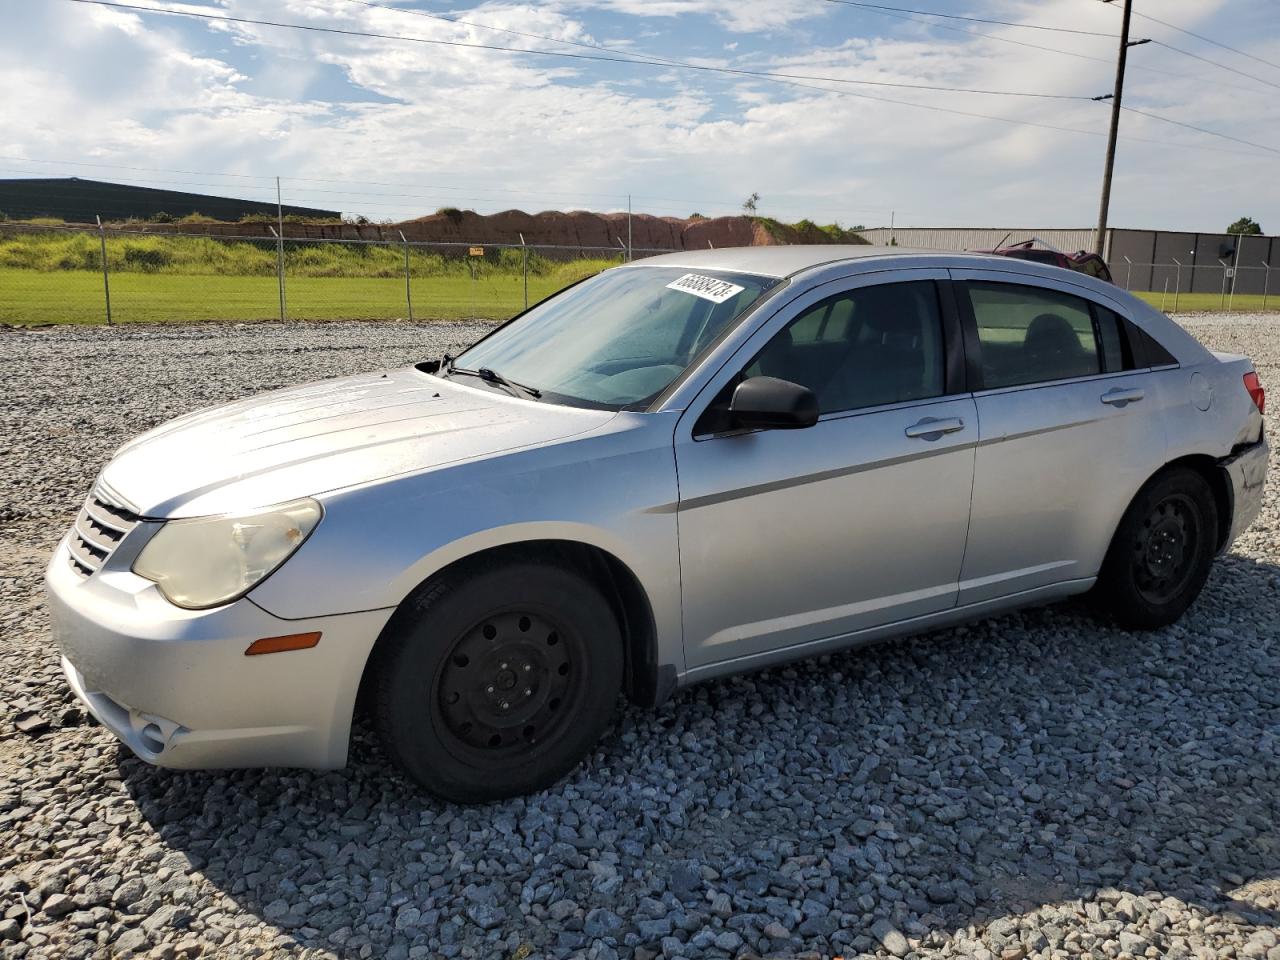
788	260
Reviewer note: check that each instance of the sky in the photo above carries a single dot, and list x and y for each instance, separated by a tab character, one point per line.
392	129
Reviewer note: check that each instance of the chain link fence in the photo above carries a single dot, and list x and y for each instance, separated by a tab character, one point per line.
66	274
1198	286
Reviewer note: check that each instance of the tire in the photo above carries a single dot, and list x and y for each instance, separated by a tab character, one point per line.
1160	556
499	683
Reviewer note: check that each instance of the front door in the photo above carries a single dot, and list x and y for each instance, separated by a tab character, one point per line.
794	536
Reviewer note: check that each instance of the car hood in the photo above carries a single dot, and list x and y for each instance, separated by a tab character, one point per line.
304	441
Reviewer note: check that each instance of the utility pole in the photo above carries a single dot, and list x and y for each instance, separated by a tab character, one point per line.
1116	99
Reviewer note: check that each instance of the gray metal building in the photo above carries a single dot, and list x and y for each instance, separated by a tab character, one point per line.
76	200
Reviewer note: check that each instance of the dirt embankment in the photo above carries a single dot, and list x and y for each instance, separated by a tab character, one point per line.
577	228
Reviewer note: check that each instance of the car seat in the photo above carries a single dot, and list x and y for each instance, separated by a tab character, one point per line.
1052	350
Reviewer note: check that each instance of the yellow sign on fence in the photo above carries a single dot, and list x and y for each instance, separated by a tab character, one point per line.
476	252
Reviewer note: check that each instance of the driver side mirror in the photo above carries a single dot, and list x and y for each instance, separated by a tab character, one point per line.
767	403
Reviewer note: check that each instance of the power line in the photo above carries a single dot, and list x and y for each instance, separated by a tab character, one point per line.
905	14
869	8
1031	123
1199	36
1215	63
1195	56
515	33
1192	126
909	18
881	10
987	36
679	65
952	16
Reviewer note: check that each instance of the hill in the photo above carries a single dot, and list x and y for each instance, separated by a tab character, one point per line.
577	228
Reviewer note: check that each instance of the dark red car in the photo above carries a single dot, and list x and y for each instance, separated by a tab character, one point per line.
1082	262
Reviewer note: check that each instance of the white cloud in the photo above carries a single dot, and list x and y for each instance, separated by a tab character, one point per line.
745	16
492	130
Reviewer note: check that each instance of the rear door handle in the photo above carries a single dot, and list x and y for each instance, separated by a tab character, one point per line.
931	429
1121	396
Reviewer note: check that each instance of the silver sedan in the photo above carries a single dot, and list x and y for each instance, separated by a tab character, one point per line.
683	468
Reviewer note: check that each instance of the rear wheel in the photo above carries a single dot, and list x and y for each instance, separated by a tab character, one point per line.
500	683
1160	557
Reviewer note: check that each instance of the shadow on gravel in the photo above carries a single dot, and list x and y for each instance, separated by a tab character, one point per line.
937	782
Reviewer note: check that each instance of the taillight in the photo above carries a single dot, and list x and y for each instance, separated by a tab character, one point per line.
1256	393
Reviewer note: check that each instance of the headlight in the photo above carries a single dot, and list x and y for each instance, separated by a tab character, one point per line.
212	560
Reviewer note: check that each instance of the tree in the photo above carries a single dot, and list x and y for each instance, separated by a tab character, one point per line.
749	205
1246	227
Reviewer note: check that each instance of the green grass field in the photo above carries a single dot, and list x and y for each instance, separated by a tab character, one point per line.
1212	302
56	277
76	296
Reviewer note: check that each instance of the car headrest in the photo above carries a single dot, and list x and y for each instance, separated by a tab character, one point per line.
1050	333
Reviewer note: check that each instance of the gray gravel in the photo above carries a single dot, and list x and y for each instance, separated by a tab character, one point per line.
1035	785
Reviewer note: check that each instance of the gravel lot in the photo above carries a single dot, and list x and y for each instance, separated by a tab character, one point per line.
1031	786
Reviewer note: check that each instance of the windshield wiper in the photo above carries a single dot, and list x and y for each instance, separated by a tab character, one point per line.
492	376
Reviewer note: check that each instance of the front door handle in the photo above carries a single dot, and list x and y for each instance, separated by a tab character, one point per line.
931	429
1121	396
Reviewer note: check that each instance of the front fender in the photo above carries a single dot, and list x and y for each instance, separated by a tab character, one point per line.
616	492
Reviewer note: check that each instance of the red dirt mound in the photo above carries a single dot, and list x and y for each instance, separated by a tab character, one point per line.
589	232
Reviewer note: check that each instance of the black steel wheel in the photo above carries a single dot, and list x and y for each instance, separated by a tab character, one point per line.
497	681
1162	551
505	684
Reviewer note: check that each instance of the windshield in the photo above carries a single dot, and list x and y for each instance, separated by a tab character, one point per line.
618	339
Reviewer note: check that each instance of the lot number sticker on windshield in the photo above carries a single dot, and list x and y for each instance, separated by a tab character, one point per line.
708	288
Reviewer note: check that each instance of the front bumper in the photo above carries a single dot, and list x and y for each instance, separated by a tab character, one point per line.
1247	471
176	687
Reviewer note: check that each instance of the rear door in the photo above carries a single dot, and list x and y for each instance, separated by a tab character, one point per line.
794	536
1069	429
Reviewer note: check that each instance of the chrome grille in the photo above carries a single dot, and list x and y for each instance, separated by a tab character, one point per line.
98	530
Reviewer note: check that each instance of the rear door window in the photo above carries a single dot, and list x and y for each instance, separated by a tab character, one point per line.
1035	335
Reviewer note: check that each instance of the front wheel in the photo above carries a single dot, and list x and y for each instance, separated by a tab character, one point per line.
500	683
1160	557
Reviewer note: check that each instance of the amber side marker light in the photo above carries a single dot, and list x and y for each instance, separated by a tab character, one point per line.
294	641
